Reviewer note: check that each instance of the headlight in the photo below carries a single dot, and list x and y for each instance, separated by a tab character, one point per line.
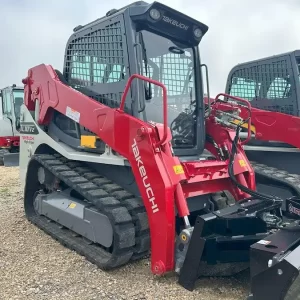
198	33
155	14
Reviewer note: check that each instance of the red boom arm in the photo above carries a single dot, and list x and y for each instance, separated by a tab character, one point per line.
275	126
161	178
267	125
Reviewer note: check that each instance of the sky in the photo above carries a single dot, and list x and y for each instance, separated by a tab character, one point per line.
35	32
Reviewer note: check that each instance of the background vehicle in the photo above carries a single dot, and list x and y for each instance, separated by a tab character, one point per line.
272	84
144	160
12	98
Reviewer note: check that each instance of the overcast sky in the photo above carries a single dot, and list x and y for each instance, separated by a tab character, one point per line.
34	32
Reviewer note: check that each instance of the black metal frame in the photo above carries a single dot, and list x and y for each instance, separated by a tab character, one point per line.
261	71
239	234
134	18
274	265
223	237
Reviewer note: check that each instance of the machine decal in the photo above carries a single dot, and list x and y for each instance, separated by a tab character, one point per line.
88	141
264	242
293	207
143	173
73	114
72	205
175	23
28	128
242	163
237	122
28	139
178	169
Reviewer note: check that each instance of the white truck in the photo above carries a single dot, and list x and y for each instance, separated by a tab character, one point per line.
12	97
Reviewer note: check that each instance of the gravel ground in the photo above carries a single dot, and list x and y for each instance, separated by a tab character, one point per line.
34	266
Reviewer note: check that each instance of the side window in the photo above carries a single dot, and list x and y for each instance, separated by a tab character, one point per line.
99	66
117	74
2	101
244	88
81	68
96	62
280	88
174	71
7	102
98	56
263	80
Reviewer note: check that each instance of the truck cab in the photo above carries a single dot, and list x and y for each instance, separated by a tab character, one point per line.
12	97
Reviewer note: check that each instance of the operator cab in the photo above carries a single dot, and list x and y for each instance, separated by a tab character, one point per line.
12	98
271	83
148	39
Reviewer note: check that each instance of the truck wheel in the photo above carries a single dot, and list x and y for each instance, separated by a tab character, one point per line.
2	152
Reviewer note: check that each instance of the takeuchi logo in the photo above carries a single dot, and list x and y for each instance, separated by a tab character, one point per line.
294	210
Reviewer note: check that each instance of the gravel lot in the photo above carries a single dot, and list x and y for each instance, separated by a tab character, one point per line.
34	266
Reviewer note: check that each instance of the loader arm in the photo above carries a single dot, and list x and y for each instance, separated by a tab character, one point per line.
163	180
275	126
136	143
269	125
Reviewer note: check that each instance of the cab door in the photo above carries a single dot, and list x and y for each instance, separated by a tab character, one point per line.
6	119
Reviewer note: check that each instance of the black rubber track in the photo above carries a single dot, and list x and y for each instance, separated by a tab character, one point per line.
277	177
126	213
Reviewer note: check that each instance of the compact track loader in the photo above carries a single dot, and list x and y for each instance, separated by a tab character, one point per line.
120	158
12	97
272	86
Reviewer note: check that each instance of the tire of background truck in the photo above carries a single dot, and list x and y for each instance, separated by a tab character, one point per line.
2	152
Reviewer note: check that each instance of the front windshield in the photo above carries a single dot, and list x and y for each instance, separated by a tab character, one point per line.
18	101
173	65
298	64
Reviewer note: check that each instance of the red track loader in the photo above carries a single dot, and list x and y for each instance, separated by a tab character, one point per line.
120	158
272	84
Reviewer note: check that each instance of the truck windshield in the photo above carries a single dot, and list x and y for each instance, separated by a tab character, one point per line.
18	101
173	65
298	64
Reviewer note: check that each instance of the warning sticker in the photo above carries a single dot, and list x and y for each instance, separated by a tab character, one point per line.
264	242
73	114
72	205
242	163
178	169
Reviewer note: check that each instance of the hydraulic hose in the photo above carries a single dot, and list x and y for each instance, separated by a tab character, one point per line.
245	189
254	194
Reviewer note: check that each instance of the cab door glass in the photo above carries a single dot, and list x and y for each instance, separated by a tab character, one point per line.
7	109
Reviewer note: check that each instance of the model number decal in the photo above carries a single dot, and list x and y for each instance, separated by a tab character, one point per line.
294	210
143	173
28	128
73	114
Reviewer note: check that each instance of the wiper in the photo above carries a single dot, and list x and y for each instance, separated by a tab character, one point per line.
148	90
